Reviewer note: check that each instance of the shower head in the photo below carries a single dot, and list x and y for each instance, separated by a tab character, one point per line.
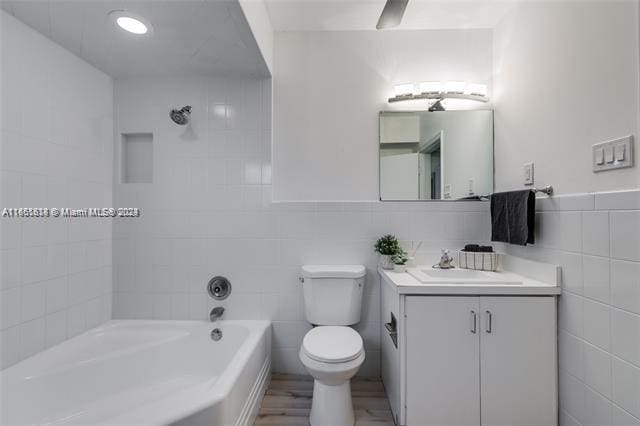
181	116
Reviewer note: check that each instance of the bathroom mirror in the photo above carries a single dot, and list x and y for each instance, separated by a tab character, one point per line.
442	155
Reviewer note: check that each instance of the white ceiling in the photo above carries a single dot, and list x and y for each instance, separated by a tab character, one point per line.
348	15
190	37
203	37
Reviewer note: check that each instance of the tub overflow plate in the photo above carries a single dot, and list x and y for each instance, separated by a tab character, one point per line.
219	288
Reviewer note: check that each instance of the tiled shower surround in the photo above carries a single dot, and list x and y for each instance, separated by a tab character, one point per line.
596	239
209	212
55	151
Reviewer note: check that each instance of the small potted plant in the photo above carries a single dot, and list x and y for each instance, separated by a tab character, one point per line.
387	246
400	261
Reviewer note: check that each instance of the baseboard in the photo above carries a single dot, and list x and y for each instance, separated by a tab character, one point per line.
252	405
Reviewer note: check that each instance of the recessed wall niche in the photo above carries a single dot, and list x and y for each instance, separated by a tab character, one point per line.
136	157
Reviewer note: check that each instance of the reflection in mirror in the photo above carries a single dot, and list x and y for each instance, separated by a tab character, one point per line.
445	155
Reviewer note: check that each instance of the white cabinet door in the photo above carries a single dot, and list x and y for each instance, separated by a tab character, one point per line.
399	177
518	361
442	361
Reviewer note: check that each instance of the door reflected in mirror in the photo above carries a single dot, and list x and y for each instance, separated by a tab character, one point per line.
444	155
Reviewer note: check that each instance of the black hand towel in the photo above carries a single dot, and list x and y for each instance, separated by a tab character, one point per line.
513	217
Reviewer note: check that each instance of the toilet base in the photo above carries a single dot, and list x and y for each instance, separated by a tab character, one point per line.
331	405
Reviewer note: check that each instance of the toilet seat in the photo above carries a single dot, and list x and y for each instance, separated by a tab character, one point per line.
332	344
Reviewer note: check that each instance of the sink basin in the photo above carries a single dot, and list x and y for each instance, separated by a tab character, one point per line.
454	273
429	275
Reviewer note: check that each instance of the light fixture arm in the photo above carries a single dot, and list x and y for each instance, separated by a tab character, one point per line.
437	106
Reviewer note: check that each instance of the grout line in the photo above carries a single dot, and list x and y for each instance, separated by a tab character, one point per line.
613	355
611	400
573	293
562	410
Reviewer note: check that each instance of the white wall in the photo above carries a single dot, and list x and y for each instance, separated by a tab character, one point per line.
255	11
209	212
596	240
566	77
329	88
55	151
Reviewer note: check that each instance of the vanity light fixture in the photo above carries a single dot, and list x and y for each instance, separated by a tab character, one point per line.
404	92
439	91
131	23
476	89
430	87
455	87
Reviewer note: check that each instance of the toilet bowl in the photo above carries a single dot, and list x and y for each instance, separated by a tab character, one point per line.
332	355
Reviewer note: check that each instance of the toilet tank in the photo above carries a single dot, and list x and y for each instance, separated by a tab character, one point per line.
333	293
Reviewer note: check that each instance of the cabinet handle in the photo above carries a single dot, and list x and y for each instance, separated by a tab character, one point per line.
474	318
489	321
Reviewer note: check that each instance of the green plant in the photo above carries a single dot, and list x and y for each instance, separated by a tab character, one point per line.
400	258
387	245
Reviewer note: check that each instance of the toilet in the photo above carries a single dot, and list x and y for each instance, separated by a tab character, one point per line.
332	352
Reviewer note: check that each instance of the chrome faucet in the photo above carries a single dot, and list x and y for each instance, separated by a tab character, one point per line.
445	261
216	313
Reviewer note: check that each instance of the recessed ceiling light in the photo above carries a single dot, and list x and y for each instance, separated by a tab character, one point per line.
131	23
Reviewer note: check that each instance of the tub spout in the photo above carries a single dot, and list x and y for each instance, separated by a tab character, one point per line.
216	313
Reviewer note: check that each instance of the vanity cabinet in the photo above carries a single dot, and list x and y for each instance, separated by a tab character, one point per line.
469	359
480	360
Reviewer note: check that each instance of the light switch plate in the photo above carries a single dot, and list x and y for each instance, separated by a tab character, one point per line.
618	154
528	173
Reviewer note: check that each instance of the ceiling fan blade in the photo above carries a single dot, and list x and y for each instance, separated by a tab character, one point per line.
392	14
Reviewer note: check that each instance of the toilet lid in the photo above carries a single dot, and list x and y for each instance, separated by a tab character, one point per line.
332	344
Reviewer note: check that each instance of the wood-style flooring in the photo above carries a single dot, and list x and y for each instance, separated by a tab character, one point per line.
288	402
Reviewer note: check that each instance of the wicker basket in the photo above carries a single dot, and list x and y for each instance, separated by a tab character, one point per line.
480	261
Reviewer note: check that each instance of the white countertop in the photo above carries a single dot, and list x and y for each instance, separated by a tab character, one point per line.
405	283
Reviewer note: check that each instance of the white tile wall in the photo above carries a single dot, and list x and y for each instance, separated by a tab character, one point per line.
55	151
208	212
599	310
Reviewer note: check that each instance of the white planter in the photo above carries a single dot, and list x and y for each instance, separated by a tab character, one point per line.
385	262
399	268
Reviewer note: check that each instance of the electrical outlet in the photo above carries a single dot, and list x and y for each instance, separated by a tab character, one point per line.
528	173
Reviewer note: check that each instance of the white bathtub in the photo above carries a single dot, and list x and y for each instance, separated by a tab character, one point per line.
143	373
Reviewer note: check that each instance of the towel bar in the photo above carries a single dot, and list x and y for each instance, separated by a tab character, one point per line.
546	190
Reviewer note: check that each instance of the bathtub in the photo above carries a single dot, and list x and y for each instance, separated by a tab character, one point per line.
143	373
